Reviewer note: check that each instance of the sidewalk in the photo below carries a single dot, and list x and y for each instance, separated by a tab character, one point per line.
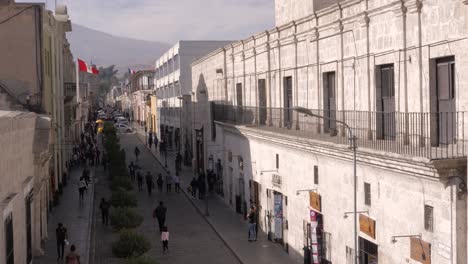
75	216
229	225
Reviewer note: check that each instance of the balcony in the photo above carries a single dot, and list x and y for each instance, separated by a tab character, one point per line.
429	135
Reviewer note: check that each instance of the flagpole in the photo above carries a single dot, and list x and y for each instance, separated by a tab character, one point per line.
78	115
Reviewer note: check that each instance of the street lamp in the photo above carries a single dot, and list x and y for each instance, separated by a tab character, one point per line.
353	146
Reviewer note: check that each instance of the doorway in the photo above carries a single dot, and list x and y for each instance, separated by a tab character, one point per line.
385	92
262	103
29	228
445	101
329	103
288	102
368	252
278	231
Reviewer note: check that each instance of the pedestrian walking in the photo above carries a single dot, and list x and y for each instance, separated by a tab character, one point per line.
61	235
149	182
137	153
168	182
81	187
150	139
160	182
131	169
139	180
105	206
98	156
177	182
251	216
72	256
194	185
156	141
160	214
165	238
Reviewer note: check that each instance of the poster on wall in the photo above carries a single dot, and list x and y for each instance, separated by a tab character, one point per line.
278	201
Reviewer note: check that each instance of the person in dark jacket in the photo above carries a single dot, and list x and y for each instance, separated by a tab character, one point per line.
194	185
160	182
160	214
149	182
105	206
61	235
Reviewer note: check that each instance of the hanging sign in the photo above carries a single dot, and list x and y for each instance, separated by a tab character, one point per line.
367	225
315	201
420	250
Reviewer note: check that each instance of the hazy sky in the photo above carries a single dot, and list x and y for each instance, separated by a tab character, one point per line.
172	20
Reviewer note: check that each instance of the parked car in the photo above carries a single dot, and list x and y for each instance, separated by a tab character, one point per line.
121	120
123	128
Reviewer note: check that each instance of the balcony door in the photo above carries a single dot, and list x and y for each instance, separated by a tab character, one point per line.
446	125
288	101
262	103
329	102
385	92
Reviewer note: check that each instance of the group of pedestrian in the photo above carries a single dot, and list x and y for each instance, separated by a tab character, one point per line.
198	186
152	138
61	235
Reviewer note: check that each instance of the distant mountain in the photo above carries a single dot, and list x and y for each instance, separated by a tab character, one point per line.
104	49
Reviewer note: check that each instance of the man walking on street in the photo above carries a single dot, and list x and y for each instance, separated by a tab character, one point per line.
149	182
160	182
168	182
252	224
160	214
104	206
139	180
137	153
194	185
61	235
177	182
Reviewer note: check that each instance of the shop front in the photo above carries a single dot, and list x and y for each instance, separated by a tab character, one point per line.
368	250
276	212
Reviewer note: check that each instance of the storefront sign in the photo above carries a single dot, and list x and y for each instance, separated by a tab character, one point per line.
276	180
420	250
278	201
367	225
315	201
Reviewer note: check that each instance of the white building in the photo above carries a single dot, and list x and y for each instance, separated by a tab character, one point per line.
173	86
396	71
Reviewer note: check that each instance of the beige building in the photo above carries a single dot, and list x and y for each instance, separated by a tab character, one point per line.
36	61
395	71
25	190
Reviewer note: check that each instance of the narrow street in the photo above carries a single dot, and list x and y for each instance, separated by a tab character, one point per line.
192	240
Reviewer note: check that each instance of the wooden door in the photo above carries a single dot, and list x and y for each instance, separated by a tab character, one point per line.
386	125
288	102
329	102
262	103
446	100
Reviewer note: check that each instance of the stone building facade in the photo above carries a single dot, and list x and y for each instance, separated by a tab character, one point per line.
25	191
394	72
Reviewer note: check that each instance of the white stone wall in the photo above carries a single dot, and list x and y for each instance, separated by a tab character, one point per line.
22	173
351	40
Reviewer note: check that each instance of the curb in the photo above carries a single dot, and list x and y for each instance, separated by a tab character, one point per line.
196	207
91	216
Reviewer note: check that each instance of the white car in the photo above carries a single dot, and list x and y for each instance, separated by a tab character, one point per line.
123	128
121	120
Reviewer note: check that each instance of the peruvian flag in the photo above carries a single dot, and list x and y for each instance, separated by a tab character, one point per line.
84	67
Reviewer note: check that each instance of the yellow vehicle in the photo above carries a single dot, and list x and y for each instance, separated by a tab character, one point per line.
100	125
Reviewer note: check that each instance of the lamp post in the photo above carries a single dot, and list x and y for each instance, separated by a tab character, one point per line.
353	146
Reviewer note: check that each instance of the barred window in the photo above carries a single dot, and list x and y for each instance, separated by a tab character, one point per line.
429	218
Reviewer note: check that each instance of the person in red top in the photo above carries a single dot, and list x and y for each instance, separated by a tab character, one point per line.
72	257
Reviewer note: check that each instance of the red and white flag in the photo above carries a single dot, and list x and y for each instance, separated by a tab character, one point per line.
84	67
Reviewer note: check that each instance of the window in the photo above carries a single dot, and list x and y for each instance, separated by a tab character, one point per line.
10	255
277	161
176	62
230	156
367	193
316	177
429	218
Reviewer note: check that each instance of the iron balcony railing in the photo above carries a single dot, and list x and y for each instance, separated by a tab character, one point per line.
430	135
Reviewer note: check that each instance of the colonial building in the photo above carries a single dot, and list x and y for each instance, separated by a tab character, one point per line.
25	192
173	86
395	73
140	88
